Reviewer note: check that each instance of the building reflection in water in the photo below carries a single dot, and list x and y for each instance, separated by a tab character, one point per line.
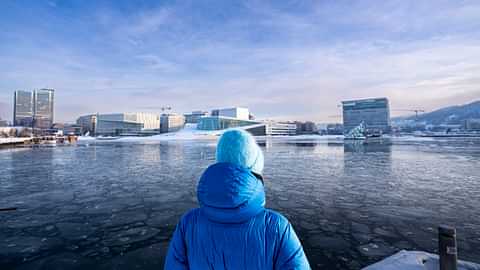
367	157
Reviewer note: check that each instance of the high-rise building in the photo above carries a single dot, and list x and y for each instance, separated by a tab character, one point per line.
23	108
374	113
34	108
43	108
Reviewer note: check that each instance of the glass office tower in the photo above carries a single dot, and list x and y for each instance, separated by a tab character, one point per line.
43	108
23	108
374	113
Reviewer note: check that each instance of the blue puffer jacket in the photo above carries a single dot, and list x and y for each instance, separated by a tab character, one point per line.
232	229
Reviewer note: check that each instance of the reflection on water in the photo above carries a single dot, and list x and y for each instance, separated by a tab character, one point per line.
114	205
377	153
360	146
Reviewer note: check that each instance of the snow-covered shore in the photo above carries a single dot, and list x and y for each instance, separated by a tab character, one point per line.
191	133
415	260
188	133
12	140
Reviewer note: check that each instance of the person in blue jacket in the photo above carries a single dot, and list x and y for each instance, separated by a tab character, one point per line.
232	229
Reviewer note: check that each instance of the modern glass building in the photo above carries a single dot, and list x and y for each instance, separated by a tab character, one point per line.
194	117
222	122
87	123
374	113
122	124
23	108
43	108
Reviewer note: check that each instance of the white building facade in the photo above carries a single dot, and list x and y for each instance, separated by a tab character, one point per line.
235	112
121	124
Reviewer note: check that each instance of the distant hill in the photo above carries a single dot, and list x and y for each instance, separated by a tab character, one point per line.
448	115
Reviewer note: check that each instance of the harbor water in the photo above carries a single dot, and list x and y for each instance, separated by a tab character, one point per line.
104	205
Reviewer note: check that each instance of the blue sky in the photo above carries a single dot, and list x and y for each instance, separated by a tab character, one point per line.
289	60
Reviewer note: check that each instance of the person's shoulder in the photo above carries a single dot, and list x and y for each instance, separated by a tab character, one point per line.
191	216
275	219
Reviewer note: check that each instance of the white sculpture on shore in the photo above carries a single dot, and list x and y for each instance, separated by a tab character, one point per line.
356	133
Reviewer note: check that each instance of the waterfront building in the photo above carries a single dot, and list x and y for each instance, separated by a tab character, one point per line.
334	129
87	123
171	122
374	113
472	125
274	128
67	129
194	117
23	108
306	128
3	123
43	116
235	112
124	124
226	118
72	130
222	122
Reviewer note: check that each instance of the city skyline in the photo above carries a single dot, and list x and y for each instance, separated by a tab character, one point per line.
284	60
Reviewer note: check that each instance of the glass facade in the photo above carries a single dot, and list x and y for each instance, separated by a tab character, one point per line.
23	108
122	124
194	117
87	123
374	113
34	108
219	123
107	127
43	116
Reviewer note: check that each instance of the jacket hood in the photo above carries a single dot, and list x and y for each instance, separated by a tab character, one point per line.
229	193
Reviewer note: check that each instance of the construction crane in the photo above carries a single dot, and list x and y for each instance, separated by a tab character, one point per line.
416	111
166	108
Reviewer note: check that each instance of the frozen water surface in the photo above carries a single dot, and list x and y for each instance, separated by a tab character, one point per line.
104	205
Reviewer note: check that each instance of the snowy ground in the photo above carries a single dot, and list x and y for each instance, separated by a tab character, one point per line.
415	260
191	133
188	133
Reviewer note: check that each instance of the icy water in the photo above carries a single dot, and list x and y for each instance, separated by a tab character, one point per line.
113	205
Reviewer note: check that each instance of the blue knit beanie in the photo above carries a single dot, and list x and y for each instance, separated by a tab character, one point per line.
239	147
